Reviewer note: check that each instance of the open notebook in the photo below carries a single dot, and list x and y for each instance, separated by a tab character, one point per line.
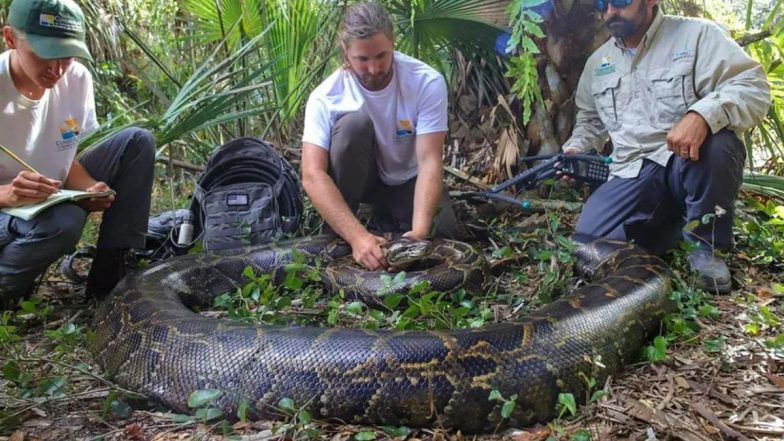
28	212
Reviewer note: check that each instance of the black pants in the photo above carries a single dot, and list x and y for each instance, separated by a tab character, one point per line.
125	162
653	208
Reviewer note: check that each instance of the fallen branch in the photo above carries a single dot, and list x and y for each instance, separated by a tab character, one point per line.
670	392
725	429
465	176
180	164
536	205
663	421
758	430
753	38
705	390
83	371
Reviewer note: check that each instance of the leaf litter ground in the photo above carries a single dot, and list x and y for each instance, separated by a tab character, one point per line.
722	378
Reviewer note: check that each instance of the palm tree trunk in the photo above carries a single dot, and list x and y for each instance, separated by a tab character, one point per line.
573	31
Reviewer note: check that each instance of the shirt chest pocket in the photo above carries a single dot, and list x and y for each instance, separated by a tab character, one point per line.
671	89
606	99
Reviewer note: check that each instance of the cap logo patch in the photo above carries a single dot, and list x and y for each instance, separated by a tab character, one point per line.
59	22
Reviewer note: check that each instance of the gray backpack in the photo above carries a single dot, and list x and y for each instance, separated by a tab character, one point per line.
248	195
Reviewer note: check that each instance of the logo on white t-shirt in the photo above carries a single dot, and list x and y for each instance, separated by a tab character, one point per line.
69	134
404	130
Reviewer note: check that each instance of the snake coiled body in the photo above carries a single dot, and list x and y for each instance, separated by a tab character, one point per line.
150	341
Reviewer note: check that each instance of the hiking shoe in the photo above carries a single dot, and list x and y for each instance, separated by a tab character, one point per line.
108	267
712	273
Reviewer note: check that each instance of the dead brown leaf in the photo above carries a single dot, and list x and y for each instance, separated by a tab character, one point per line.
439	435
536	435
506	155
764	293
17	436
775	379
242	425
134	432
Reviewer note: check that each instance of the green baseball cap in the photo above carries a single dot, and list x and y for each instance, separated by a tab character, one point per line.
54	28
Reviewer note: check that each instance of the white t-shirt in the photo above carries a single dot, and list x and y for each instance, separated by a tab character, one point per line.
414	103
44	133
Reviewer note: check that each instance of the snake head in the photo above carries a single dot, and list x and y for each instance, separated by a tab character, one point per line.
402	251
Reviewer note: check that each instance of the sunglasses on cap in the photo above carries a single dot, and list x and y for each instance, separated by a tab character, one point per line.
601	5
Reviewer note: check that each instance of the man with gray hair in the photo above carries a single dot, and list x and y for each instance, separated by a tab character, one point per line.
374	132
46	106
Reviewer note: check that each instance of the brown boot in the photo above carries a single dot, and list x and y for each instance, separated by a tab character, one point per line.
108	267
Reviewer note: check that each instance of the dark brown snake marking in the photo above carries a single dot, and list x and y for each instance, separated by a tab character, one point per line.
150	341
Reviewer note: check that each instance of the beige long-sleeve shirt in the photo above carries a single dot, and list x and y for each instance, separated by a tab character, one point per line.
636	96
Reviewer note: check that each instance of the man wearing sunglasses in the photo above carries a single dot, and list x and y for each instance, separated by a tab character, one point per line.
673	95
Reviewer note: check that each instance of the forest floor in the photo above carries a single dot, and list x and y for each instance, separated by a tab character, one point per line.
718	375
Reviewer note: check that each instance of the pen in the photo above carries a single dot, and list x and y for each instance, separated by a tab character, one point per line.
20	161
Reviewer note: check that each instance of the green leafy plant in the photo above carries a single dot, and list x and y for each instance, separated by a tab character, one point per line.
441	31
592	395
525	24
35	307
114	405
67	337
715	345
8	331
776	345
767	47
390	284
692	303
396	431
566	403
581	435
657	351
299	36
299	424
760	317
219	91
762	236
201	401
507	404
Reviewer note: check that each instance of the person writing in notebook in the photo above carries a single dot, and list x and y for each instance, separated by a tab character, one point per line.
46	106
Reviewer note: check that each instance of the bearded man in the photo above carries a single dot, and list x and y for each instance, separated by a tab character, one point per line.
673	95
374	132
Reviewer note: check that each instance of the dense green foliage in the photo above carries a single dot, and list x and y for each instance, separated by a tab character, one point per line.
199	72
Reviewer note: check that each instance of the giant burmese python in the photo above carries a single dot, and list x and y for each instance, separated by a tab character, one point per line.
150	341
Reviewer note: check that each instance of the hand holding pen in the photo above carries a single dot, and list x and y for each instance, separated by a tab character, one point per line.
27	187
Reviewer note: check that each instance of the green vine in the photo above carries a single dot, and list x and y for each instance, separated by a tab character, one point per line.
522	66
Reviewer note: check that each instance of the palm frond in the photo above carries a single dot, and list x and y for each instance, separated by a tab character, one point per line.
216	92
300	40
221	90
151	55
214	18
435	24
768	185
449	33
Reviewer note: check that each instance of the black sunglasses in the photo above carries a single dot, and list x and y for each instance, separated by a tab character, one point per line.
601	5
